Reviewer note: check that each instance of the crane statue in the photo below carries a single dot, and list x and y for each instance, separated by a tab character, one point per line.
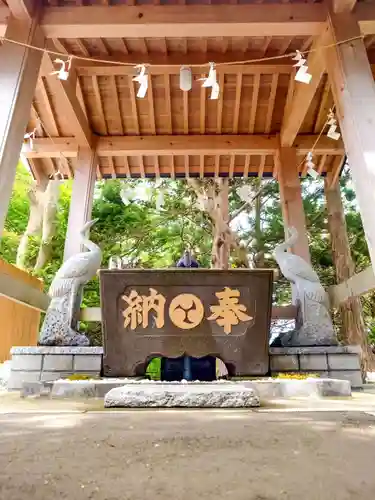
66	293
313	325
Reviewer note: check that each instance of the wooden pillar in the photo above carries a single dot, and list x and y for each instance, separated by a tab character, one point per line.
81	200
353	90
291	199
19	68
353	330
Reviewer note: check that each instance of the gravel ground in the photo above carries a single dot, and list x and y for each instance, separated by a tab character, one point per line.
187	455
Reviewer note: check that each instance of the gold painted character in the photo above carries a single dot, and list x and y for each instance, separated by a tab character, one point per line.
186	311
139	307
229	312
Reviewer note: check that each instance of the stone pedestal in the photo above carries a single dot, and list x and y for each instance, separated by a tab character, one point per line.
43	364
338	362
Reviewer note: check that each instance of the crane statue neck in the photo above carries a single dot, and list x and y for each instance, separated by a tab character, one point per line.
90	245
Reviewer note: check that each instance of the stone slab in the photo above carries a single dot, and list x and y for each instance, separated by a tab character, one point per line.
343	362
55	350
57	362
284	363
17	379
340	349
182	395
87	362
186	299
313	362
353	376
26	362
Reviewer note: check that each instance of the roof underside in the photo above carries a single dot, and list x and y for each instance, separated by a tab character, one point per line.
253	100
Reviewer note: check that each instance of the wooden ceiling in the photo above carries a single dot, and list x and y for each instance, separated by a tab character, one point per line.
171	132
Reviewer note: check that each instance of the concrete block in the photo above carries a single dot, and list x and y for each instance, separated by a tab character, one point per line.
354	377
343	362
27	362
87	362
313	362
18	377
73	389
284	363
58	362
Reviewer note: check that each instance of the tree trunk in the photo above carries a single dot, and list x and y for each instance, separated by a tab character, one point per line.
353	329
51	197
34	224
222	235
259	246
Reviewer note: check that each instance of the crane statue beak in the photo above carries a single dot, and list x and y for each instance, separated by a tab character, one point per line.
88	225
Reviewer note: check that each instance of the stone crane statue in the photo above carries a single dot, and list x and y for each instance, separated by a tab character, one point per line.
314	325
66	294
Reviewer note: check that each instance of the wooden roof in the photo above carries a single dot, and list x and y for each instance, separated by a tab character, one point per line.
171	132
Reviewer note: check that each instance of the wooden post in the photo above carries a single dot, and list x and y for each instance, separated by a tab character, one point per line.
19	68
353	330
353	90
291	199
81	201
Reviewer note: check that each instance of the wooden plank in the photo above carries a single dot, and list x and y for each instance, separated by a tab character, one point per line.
133	101
231	166
271	103
167	87
22	293
150	97
99	106
237	103
186	144
322	162
18	77
220	104
183	21
359	284
254	103
303	95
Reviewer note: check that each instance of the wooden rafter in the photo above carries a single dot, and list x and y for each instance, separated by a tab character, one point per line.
70	105
303	95
184	145
183	21
168	65
254	103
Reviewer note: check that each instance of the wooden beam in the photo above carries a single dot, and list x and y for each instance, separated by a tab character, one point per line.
22	9
357	285
81	200
183	21
353	90
183	144
18	77
343	5
46	148
170	65
303	95
69	104
202	144
291	199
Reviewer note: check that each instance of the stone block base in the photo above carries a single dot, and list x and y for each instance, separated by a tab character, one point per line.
336	362
177	395
44	364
